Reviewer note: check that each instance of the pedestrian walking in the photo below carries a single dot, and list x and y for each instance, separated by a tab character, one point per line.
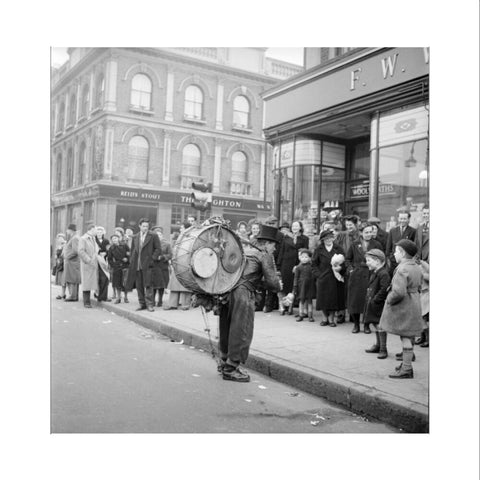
118	260
103	270
378	284
402	313
160	273
87	251
330	288
237	313
145	249
358	274
304	285
72	273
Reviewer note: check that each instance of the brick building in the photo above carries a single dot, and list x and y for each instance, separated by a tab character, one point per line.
131	128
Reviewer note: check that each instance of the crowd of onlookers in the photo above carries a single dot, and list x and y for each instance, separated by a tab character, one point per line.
344	272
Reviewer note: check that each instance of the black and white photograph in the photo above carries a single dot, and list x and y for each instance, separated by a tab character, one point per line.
233	242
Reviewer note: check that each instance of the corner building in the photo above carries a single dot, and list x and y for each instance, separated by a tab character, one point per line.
132	128
351	133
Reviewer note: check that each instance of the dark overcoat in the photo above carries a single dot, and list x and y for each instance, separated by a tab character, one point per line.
288	258
72	273
118	256
304	282
358	274
330	291
394	236
59	265
160	274
422	240
378	284
382	238
149	252
402	313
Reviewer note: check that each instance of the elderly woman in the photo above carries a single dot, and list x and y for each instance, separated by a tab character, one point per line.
160	274
287	259
103	271
330	285
359	274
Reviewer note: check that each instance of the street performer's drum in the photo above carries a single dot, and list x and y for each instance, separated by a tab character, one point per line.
208	259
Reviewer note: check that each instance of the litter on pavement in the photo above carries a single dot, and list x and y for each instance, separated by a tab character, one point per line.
315	422
248	400
195	375
180	342
107	321
293	394
262	387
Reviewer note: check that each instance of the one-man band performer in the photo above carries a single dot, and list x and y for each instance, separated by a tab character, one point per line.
237	313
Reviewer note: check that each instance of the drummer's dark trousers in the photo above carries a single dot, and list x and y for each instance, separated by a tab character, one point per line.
236	325
145	294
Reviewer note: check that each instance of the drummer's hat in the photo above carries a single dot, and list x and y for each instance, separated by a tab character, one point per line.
267	232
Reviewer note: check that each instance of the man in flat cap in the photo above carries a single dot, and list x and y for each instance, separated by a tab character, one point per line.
71	267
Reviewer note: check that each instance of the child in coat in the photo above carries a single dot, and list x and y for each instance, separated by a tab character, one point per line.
378	284
304	285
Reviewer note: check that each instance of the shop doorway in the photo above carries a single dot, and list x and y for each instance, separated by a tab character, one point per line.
127	216
357	208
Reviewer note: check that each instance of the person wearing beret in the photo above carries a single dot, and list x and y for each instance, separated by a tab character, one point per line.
358	275
238	311
330	293
403	230
378	284
402	313
72	273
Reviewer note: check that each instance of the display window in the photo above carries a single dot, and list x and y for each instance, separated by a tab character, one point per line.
127	216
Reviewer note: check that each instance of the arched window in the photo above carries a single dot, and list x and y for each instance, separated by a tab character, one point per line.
193	102
70	168
241	111
73	110
99	90
138	153
82	163
141	95
239	167
58	178
85	100
191	159
61	118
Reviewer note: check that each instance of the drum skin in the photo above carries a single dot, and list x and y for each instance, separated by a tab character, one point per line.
208	259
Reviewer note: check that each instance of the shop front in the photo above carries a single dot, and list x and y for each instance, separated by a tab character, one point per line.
352	137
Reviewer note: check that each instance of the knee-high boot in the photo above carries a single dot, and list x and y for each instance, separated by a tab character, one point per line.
86	300
382	352
375	348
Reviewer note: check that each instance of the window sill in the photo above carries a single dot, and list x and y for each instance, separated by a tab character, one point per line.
96	110
81	119
141	110
194	120
60	132
69	126
240	128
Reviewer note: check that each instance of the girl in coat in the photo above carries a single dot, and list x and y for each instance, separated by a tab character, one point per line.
330	295
402	314
378	284
160	274
358	274
304	285
117	255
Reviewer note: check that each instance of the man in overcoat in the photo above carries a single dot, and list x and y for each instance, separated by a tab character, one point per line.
402	232
145	249
71	269
422	238
87	251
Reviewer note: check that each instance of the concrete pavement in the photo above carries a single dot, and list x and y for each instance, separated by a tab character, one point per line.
328	362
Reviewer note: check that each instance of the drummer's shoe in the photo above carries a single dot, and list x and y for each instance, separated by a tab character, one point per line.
235	374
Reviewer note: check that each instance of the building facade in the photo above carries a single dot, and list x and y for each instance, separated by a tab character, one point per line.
132	128
351	133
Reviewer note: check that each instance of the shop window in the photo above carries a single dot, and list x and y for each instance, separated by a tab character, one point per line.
403	180
85	100
333	187
241	112
99	90
193	103
73	110
180	214
127	216
82	164
58	178
141	94
360	164
138	153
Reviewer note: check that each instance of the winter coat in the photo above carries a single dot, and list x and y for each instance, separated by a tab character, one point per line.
358	275
425	292
59	265
378	284
117	256
304	282
288	258
146	255
160	274
402	313
393	237
87	251
330	292
422	240
72	271
345	239
382	238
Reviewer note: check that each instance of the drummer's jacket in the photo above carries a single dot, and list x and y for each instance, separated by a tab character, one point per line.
259	266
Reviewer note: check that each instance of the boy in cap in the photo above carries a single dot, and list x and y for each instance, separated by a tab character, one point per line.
402	314
378	284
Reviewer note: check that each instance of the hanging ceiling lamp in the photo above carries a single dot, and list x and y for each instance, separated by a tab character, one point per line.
411	161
